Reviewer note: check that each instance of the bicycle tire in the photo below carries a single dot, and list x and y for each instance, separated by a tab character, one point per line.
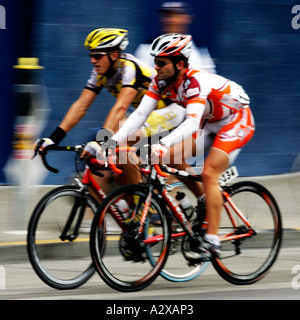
60	264
124	266
259	252
177	268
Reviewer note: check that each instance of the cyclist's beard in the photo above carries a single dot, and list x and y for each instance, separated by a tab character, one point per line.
174	77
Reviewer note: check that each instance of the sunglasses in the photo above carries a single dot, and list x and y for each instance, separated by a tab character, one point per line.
160	63
97	55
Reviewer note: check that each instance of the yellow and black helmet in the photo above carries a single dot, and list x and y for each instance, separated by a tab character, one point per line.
107	39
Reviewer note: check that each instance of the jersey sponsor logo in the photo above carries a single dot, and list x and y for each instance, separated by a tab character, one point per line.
192	115
192	92
226	136
192	88
231	102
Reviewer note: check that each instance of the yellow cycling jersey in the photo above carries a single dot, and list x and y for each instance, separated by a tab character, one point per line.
130	72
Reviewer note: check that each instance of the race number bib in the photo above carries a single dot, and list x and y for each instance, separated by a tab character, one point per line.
228	175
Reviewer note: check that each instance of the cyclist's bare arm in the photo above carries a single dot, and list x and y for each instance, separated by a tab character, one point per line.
136	119
115	115
119	109
78	109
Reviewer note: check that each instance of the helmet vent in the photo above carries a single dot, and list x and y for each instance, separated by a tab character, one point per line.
163	45
155	44
169	50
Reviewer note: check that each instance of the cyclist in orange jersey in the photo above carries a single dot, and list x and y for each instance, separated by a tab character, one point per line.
218	120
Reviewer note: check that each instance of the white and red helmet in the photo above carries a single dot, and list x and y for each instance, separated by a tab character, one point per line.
172	45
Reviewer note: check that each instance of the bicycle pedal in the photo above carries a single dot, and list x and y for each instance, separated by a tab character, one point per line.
195	264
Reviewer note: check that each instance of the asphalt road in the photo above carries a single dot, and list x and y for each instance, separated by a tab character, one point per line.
19	282
282	282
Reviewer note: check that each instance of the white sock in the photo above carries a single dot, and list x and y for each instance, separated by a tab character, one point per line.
202	198
212	238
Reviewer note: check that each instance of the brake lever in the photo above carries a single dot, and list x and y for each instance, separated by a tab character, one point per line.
93	168
38	145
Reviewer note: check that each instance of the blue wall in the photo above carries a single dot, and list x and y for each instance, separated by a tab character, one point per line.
256	46
252	41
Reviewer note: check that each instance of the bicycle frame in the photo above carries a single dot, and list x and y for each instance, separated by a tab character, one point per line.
232	236
88	181
156	181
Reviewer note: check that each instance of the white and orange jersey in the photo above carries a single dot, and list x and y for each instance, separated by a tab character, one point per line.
218	96
206	98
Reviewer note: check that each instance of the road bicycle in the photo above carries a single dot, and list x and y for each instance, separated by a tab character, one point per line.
250	231
57	248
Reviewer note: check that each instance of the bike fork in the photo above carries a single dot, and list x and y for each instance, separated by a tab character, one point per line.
79	203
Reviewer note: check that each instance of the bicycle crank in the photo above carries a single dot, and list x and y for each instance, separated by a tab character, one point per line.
132	247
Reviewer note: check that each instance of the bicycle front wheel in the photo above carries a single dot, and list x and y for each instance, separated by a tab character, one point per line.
59	255
247	260
124	266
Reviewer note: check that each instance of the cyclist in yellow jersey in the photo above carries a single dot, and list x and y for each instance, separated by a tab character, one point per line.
125	77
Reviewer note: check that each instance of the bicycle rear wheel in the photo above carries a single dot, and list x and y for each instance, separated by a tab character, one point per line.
61	263
247	260
177	268
124	266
